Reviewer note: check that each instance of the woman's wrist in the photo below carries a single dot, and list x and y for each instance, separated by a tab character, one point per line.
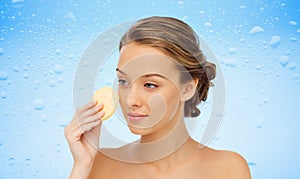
80	171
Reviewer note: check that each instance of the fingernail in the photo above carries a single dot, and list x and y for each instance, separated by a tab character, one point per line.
99	106
101	113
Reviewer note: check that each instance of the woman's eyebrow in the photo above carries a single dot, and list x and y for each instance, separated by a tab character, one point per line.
145	75
154	74
118	70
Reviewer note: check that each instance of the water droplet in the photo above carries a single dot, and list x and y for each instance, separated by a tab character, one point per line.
184	18
57	148
27	161
293	39
16	1
242	6
71	57
36	84
108	83
275	41
284	60
229	62
258	67
251	163
11	161
1	51
3	95
58	69
62	125
216	138
232	50
292	66
256	29
16	69
180	2
26	75
293	23
207	24
265	100
60	80
295	76
70	15
41	119
52	83
63	122
3	75
38	104
201	12
259	122
57	52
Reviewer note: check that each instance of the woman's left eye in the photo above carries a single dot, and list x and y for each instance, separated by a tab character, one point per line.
150	85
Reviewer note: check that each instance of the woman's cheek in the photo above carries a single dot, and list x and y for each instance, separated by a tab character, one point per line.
158	107
123	93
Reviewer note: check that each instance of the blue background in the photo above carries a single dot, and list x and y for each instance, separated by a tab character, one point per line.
256	42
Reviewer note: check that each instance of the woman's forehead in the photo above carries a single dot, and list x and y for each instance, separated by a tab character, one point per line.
149	64
133	50
140	60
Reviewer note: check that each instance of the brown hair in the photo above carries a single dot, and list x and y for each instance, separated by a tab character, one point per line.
177	40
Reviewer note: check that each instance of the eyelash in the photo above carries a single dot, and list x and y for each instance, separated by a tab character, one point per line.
150	84
123	82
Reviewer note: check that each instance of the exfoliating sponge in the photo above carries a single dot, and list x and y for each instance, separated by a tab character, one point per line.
105	96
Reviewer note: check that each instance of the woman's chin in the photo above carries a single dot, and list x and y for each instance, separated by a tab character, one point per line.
138	130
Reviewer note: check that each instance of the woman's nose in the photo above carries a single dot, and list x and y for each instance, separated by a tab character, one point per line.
133	96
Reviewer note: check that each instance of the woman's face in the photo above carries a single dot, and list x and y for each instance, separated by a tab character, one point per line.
149	88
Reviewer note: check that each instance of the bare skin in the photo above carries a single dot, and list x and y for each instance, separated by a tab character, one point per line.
190	160
87	120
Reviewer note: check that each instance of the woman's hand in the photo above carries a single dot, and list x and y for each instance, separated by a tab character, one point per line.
82	135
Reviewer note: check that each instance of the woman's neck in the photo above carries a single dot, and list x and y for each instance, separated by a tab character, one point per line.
169	133
168	143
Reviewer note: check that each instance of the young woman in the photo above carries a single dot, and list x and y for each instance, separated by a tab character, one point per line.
162	77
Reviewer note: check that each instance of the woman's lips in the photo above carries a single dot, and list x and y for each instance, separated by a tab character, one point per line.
136	117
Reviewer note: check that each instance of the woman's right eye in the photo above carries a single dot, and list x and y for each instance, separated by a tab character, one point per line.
123	82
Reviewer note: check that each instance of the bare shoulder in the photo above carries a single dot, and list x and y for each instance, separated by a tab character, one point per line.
230	164
103	166
106	163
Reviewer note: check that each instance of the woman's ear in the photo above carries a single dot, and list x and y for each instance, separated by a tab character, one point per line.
189	89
